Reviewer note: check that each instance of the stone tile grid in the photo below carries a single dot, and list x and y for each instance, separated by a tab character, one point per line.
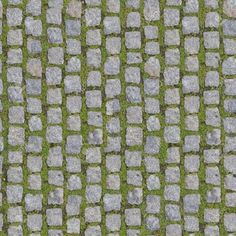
151	25
191	85
114	128
213	138
75	184
94	212
16	131
227	124
54	67
173	114
105	128
133	131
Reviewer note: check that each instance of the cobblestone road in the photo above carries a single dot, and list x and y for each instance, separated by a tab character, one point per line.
118	117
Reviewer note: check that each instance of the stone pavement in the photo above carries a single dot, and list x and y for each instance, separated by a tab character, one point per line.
118	117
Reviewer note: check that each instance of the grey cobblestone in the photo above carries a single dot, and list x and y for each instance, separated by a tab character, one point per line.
117	117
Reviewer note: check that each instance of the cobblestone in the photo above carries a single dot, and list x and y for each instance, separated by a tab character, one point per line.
117	117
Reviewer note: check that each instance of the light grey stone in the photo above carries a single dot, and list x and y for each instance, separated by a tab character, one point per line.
14	56
230	199
54	15
151	10
211	40
213	195
173	229
56	55
73	104
113	182
54	115
54	35
55	177
229	27
135	196
152	223
133	20
134	178
213	137
191	203
113	88
55	197
172	193
191	104
74	9
113	6
190	84
172	37
191	143
73	27
14	214
112	202
93	193
211	215
54	217
93	214
92	16
133	94
14	193
93	37
152	145
73	226
111	25
113	222
74	183
151	32
172	134
172	96
191	45
229	46
153	123
113	45
229	219
133	40
171	75
172	174
133	217
15	175
73	205
133	158
14	16
33	27
152	164
152	204
190	25
16	115
14	37
191	6
212	20
132	75
112	65
15	94
153	182
192	122
192	64
171	17
34	7
212	59
14	75
16	136
33	202
93	231
191	223
172	212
